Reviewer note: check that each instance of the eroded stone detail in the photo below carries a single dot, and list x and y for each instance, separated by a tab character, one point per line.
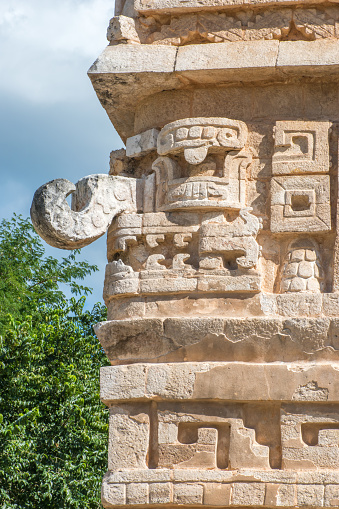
277	23
221	283
300	203
197	136
301	147
96	200
302	270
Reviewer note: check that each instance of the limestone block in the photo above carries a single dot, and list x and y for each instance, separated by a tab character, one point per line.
297	304
220	380
229	284
309	438
160	493
142	143
301	147
127	381
125	339
232	56
96	200
196	136
113	494
300	204
331	495
189	494
302	53
331	304
280	495
118	162
122	28
217	494
128	439
136	493
169	286
248	494
310	496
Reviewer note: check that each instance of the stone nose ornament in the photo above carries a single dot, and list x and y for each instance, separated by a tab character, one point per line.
96	200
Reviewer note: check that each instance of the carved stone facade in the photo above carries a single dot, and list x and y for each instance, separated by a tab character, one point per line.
222	282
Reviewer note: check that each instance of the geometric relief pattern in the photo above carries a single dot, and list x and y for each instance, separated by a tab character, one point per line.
300	147
300	203
261	437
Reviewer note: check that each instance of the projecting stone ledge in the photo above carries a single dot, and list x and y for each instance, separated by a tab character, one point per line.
124	75
219	339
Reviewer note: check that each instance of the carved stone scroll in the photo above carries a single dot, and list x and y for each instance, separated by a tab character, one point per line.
221	284
97	199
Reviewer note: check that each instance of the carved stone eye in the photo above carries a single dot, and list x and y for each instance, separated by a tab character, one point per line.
225	136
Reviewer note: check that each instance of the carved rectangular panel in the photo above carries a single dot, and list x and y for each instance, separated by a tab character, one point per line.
310	437
300	203
208	436
224	454
301	147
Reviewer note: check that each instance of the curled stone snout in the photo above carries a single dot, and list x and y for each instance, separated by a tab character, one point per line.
96	200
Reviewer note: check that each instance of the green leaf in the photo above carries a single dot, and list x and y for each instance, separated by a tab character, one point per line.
53	433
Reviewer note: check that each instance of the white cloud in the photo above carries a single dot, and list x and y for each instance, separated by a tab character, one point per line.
47	46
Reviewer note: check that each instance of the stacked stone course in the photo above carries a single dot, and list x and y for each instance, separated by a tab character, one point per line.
222	281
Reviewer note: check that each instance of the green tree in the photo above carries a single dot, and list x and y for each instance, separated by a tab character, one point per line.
53	427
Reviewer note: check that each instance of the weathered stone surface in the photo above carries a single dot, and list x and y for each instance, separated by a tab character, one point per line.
301	147
122	28
141	144
222	279
97	199
149	69
213	380
300	203
166	6
214	339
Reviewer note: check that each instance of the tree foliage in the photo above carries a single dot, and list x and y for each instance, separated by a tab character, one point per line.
53	427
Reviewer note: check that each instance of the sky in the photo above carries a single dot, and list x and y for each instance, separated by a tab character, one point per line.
51	122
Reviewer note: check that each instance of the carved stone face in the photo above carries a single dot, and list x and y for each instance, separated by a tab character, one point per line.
222	277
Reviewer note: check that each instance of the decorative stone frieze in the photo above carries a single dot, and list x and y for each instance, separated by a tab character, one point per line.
222	244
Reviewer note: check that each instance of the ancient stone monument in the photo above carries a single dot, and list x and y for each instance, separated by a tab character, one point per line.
222	282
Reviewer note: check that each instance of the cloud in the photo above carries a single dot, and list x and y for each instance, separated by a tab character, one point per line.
51	122
47	46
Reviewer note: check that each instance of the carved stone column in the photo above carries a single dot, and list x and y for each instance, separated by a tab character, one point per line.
222	277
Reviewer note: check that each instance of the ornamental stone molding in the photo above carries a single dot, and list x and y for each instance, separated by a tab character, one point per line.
222	277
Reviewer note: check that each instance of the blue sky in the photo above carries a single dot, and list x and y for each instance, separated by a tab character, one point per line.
51	122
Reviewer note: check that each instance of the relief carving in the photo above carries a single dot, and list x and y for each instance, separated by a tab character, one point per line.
197	136
265	24
310	437
302	270
222	247
300	203
301	147
95	202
